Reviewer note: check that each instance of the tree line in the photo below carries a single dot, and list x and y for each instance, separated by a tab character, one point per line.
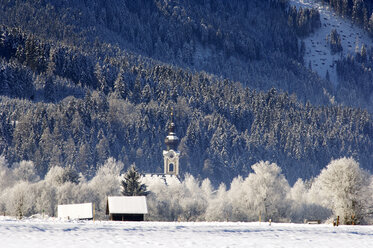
342	189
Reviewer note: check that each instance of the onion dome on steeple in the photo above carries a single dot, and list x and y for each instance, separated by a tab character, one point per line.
171	141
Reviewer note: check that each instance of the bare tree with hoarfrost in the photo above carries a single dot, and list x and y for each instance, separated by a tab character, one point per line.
19	199
158	204
266	190
6	181
262	194
45	198
25	171
238	198
193	199
219	208
106	182
301	205
344	188
186	200
6	175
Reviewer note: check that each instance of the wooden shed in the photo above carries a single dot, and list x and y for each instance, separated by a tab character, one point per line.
126	208
82	211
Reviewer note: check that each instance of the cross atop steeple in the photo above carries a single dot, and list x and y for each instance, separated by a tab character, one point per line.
172	114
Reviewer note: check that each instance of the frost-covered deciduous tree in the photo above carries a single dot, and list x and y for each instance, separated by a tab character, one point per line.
6	175
193	198
301	205
266	190
186	200
343	187
25	171
45	198
20	199
219	208
263	193
238	199
55	176
159	202
106	183
67	193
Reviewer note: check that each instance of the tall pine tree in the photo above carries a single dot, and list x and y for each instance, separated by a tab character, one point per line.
131	185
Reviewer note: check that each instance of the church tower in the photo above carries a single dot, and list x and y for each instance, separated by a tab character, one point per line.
171	155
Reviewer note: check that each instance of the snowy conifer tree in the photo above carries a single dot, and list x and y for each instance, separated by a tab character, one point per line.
131	185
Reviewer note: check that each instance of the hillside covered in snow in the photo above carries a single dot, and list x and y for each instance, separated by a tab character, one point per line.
318	55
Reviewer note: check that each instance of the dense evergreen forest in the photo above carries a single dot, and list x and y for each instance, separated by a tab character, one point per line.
82	81
360	11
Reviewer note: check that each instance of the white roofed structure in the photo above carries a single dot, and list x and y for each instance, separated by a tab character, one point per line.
126	208
75	211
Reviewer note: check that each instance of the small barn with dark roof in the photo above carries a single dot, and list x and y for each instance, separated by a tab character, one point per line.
126	208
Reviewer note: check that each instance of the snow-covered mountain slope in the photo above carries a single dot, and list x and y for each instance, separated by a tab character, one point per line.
317	48
57	233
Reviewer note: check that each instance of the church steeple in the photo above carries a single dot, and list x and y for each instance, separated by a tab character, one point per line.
171	141
171	155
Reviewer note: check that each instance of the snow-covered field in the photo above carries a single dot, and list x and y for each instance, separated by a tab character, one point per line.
317	48
56	233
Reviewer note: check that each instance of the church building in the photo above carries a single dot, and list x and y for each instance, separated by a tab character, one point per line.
171	154
171	158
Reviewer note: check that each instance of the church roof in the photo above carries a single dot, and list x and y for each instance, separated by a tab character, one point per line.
153	178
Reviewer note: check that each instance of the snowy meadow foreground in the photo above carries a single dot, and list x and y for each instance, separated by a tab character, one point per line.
57	233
